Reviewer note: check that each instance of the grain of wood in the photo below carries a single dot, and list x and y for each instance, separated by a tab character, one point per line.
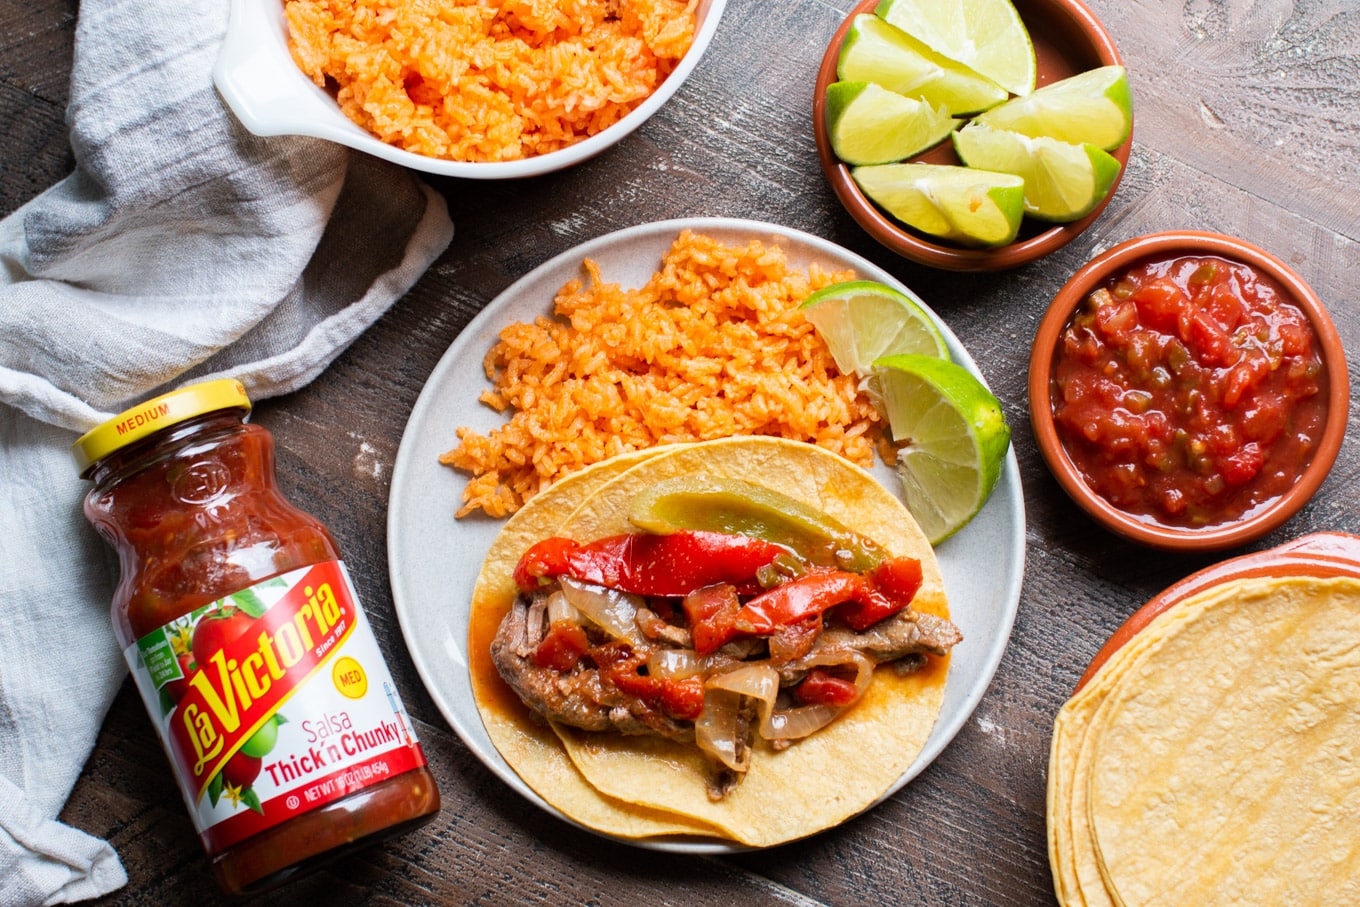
1247	121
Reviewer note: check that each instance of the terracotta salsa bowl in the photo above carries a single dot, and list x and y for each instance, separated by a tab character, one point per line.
1264	517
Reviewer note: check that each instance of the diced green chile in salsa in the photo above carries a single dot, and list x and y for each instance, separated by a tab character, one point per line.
1189	392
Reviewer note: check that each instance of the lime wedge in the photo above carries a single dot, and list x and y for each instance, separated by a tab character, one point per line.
863	320
1092	107
952	438
867	124
960	204
985	35
874	51
1063	182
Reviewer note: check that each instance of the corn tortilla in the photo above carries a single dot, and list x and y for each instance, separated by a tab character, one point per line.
1215	759
1076	874
842	769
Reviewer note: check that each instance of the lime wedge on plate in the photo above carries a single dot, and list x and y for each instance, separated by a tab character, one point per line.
961	204
1092	107
863	320
867	124
952	439
1063	181
985	35
874	51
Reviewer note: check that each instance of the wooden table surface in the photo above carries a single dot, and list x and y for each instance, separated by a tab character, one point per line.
1247	123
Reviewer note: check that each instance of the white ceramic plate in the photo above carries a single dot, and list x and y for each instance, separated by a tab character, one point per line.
262	85
434	560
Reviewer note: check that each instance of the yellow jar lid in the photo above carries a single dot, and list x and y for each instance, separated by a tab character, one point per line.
147	418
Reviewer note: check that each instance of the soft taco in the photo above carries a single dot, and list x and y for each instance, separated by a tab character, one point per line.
745	639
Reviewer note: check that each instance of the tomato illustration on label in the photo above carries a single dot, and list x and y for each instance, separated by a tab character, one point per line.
240	771
176	688
216	629
236	781
214	632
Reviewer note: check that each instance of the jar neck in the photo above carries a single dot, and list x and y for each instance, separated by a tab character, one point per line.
165	443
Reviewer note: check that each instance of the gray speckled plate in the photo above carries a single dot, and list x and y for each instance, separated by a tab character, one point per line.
434	559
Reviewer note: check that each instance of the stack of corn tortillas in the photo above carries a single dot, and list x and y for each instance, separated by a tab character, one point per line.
1214	758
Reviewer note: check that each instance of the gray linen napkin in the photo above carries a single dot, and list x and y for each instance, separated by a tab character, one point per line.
181	248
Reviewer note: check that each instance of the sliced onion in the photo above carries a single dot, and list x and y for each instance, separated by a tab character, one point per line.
615	612
715	730
757	680
679	663
561	609
674	664
718	728
800	721
836	656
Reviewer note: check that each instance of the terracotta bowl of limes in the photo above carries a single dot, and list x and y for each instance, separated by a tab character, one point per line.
1011	145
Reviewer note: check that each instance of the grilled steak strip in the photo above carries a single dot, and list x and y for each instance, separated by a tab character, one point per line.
577	698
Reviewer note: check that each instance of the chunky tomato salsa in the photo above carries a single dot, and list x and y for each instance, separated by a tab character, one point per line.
1189	392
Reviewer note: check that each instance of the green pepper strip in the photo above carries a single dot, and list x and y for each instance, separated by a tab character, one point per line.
728	505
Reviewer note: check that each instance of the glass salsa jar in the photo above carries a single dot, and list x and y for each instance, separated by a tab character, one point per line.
247	642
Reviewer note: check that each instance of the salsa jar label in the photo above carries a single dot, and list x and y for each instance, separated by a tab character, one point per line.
273	701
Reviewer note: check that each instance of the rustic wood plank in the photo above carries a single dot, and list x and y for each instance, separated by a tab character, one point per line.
1248	117
35	63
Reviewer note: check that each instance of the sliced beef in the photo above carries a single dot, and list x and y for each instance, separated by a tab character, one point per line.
904	638
577	698
581	699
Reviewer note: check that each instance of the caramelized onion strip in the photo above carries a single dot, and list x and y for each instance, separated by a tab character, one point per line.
800	721
718	730
560	609
615	612
674	664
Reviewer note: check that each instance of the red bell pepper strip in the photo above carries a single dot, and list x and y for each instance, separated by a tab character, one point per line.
672	565
548	558
817	591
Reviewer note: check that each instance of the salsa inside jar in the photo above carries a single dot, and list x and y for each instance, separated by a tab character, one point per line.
1188	391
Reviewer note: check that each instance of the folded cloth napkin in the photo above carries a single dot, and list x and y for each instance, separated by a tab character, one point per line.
181	248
